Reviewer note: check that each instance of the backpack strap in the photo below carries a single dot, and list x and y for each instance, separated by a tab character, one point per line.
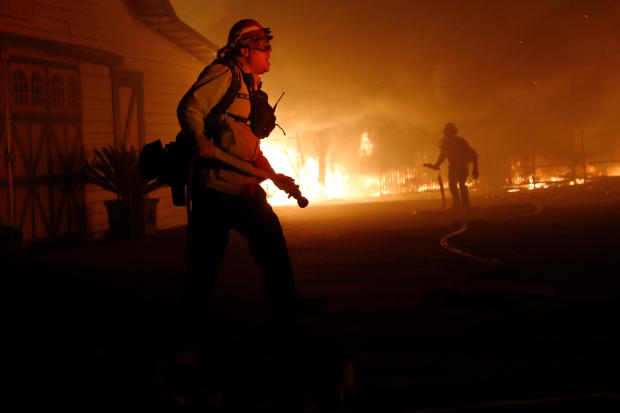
222	106
211	125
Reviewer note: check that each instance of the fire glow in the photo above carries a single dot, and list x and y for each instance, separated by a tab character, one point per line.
336	183
366	146
568	176
333	181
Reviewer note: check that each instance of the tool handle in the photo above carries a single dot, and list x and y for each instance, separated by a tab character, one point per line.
245	166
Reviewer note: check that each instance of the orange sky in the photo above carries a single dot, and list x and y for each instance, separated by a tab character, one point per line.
510	74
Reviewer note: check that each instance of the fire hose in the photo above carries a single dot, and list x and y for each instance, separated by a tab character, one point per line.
462	227
174	165
244	166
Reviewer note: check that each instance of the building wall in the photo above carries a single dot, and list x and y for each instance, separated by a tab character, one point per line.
108	25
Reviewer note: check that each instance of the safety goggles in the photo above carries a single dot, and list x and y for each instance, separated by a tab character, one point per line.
262	46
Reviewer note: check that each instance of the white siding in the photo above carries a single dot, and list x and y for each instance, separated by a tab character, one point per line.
168	71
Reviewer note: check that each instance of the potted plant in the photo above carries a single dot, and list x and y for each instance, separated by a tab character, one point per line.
132	215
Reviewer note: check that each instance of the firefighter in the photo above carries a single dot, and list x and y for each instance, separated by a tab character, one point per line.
216	111
459	155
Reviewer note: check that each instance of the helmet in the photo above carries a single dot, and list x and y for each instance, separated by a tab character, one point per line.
248	32
450	129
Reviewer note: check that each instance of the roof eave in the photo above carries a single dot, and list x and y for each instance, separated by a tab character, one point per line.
160	15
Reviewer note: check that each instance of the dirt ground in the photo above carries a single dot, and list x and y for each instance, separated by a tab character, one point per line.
423	327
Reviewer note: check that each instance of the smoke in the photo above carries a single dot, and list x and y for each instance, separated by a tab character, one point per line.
515	76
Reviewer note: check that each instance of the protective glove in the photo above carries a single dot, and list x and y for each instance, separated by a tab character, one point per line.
285	183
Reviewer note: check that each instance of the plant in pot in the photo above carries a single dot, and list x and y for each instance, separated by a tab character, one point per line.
132	215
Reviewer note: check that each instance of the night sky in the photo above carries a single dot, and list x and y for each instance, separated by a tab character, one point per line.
515	76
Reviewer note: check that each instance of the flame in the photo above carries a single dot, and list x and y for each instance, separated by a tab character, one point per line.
613	171
366	146
323	179
518	175
335	184
337	181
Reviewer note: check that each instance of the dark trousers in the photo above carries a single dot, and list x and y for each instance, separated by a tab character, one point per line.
457	177
213	214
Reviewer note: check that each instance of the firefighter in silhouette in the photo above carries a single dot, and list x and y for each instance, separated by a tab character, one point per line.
459	155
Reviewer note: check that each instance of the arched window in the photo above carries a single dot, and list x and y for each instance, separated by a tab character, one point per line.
72	91
37	90
20	88
57	92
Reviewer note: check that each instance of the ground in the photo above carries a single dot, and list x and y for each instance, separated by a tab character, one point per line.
423	327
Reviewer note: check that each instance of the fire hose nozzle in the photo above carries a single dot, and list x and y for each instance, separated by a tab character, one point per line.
302	202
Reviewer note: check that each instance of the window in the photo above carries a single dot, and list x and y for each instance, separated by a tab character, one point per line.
58	92
20	88
37	89
41	86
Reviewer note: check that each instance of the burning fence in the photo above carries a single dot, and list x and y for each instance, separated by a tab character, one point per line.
408	179
542	176
578	165
323	179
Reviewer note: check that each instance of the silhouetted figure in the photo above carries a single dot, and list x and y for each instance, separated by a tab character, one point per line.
217	111
459	155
